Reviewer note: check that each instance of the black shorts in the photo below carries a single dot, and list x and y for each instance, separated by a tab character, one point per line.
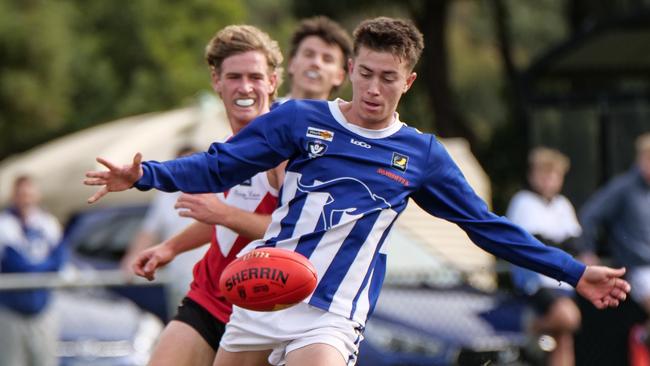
194	315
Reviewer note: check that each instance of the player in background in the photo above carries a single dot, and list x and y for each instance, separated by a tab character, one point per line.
245	71
548	215
318	59
352	168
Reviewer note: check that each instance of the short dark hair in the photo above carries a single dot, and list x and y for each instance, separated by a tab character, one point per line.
400	37
326	29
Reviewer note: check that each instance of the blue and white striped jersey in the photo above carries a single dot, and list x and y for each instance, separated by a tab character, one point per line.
344	188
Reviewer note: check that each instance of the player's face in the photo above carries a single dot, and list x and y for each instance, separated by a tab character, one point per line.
378	81
244	85
547	182
316	68
25	195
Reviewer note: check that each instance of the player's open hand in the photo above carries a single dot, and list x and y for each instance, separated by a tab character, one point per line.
603	286
206	208
116	179
149	260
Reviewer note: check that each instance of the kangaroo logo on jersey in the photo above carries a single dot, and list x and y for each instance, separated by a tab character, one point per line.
400	161
340	196
316	148
320	134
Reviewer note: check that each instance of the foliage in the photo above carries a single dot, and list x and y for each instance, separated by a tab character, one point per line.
69	64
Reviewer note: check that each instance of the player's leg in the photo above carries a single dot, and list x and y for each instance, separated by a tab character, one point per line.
12	338
318	354
181	345
244	358
562	320
42	338
192	338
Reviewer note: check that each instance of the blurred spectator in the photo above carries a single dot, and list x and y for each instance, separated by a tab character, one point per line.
551	218
29	242
622	209
161	222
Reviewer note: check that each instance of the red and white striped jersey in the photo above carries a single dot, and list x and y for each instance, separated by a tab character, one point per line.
254	195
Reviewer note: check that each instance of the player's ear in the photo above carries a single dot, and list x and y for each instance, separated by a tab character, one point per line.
409	81
290	67
350	65
273	82
215	80
339	78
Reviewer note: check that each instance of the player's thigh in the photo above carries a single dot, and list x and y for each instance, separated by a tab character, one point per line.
317	354
181	345
245	358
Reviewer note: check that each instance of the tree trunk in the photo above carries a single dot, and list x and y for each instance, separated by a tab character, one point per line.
431	18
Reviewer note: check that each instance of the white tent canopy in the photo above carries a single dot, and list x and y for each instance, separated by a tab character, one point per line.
59	166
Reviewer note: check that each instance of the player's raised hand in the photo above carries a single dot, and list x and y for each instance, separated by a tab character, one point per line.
603	286
116	179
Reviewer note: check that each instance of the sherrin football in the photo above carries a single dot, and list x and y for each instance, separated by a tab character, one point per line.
268	279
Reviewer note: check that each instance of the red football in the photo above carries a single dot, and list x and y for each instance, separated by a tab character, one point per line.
268	279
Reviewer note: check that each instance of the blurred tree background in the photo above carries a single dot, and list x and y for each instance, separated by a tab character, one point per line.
70	64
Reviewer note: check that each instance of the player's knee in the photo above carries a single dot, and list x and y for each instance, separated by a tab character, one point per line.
564	316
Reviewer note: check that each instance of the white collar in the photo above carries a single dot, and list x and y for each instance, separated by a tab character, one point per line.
394	126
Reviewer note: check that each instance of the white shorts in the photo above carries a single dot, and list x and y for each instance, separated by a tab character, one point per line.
286	330
639	278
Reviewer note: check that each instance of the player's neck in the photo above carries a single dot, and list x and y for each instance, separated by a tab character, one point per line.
297	93
353	116
238	125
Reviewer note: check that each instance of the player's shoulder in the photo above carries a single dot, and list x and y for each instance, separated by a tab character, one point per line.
302	104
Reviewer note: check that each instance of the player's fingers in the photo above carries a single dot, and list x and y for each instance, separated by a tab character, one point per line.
612	303
150	268
97	174
137	265
616	272
137	159
187	213
95	181
107	164
618	294
99	194
599	304
623	285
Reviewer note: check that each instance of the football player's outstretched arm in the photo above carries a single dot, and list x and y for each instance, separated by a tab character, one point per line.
116	179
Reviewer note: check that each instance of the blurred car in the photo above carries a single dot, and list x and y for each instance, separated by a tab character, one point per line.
98	238
118	324
102	329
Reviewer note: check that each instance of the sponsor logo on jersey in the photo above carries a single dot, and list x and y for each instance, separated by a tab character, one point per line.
393	176
320	134
316	148
400	161
246	183
360	143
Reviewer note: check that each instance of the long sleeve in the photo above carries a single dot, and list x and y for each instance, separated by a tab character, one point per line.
263	144
446	194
